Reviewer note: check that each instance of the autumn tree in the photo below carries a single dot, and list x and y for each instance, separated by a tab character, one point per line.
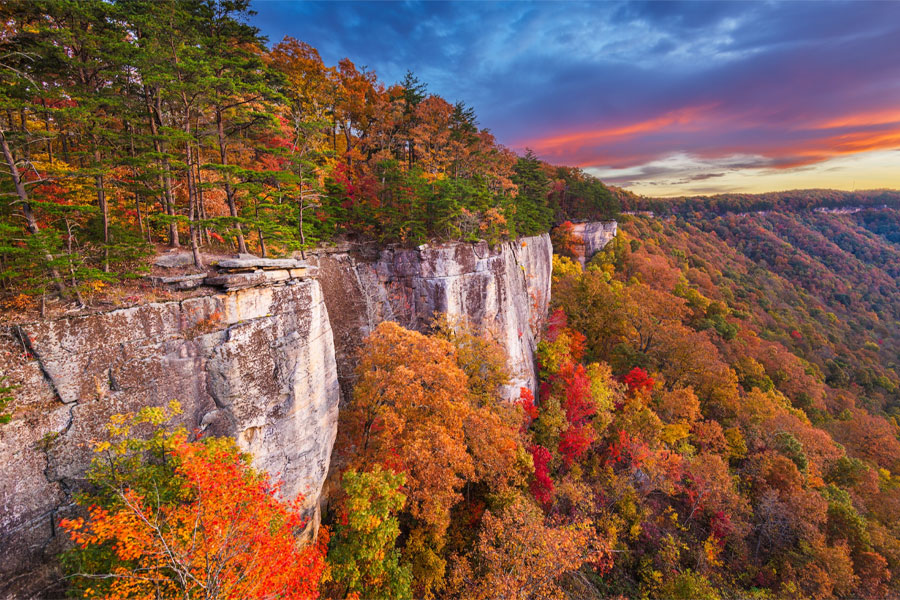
362	554
410	400
518	556
413	411
172	517
566	242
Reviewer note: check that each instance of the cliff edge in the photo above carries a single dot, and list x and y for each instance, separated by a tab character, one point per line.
256	364
266	362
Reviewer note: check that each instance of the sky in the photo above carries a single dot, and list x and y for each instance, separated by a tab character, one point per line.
661	98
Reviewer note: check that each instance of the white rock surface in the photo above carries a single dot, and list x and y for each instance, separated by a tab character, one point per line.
503	291
596	235
256	364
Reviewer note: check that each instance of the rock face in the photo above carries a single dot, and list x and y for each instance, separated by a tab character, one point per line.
256	364
503	292
261	364
596	235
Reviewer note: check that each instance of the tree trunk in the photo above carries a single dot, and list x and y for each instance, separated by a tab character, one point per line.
229	191
347	138
192	199
259	233
201	207
301	207
30	221
46	115
69	237
302	235
166	176
104	209
134	177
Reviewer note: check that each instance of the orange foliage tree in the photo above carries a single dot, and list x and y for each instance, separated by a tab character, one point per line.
180	518
408	413
518	555
566	242
423	406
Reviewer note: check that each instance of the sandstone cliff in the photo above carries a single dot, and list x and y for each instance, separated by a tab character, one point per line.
595	235
502	291
257	364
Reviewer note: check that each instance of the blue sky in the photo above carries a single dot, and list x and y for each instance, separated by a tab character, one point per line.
664	98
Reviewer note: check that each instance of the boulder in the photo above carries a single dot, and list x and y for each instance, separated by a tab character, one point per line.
237	281
246	264
180	282
174	260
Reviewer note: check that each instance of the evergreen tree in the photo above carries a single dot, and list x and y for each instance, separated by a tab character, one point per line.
240	88
532	212
414	91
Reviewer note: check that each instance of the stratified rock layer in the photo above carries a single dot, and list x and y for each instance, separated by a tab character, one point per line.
256	364
502	291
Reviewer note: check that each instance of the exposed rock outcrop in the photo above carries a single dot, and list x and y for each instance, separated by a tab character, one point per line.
595	235
502	291
231	273
256	364
261	362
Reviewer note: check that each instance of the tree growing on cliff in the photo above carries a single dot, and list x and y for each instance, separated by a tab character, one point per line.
169	517
128	123
533	213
